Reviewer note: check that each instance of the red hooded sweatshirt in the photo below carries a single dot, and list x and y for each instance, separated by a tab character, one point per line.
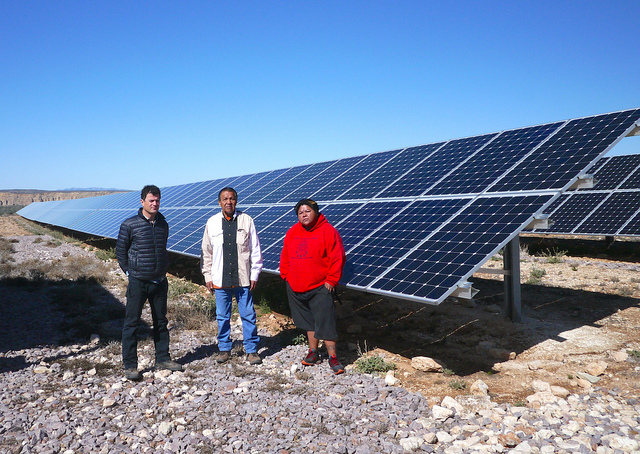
312	257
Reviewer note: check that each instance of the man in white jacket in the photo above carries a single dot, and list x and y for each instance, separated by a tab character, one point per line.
231	263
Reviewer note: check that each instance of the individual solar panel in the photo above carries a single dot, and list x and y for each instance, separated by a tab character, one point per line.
614	172
633	180
325	178
375	182
396	237
458	247
102	222
417	221
358	221
632	226
594	211
611	215
195	220
579	206
493	159
368	165
567	153
280	179
293	184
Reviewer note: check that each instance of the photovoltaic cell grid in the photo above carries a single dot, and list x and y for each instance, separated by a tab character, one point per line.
610	208
416	222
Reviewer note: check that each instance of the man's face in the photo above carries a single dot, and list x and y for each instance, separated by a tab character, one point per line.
307	216
150	205
228	203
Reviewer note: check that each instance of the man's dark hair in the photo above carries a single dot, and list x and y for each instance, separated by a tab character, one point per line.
150	188
225	190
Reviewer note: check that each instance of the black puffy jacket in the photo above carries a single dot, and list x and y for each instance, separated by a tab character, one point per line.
141	248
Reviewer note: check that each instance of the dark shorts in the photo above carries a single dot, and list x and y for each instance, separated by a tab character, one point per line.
314	311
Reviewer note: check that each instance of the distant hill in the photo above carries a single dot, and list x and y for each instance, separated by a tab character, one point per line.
23	197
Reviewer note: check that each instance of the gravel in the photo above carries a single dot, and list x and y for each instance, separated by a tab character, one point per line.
74	399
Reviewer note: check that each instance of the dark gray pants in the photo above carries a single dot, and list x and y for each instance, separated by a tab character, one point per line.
314	311
138	292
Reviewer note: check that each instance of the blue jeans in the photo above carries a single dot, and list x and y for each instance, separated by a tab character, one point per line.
247	314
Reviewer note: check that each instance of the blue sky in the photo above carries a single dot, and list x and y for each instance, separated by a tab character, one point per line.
118	94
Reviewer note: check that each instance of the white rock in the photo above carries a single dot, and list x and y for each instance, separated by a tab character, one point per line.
162	373
441	413
390	378
559	391
523	447
425	422
107	402
451	403
426	364
540	386
411	443
40	370
620	356
544	397
479	388
142	433
596	368
165	427
444	437
430	438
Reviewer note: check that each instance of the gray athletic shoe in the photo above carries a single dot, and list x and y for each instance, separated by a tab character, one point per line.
254	359
169	365
132	374
223	357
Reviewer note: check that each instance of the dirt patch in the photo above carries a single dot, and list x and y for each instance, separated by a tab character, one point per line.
576	310
12	226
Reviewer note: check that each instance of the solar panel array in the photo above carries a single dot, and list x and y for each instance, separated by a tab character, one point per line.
416	222
611	207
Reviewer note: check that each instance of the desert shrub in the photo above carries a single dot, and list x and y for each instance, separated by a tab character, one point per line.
195	314
106	254
180	287
457	384
68	268
374	363
8	210
535	276
554	255
300	339
272	296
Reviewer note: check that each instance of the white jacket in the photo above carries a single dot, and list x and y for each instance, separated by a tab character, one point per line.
249	253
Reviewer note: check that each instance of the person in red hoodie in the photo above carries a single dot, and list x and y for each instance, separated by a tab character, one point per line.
311	264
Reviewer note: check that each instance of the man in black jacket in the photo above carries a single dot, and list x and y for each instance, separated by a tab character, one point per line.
141	250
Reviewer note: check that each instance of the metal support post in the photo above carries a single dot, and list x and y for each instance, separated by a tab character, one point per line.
512	305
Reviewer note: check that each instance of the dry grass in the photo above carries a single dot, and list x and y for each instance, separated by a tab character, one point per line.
68	268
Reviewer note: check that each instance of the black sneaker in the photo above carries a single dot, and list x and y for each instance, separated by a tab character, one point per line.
335	365
311	358
169	365
132	374
223	357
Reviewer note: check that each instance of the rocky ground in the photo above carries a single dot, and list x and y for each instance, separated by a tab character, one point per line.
566	379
